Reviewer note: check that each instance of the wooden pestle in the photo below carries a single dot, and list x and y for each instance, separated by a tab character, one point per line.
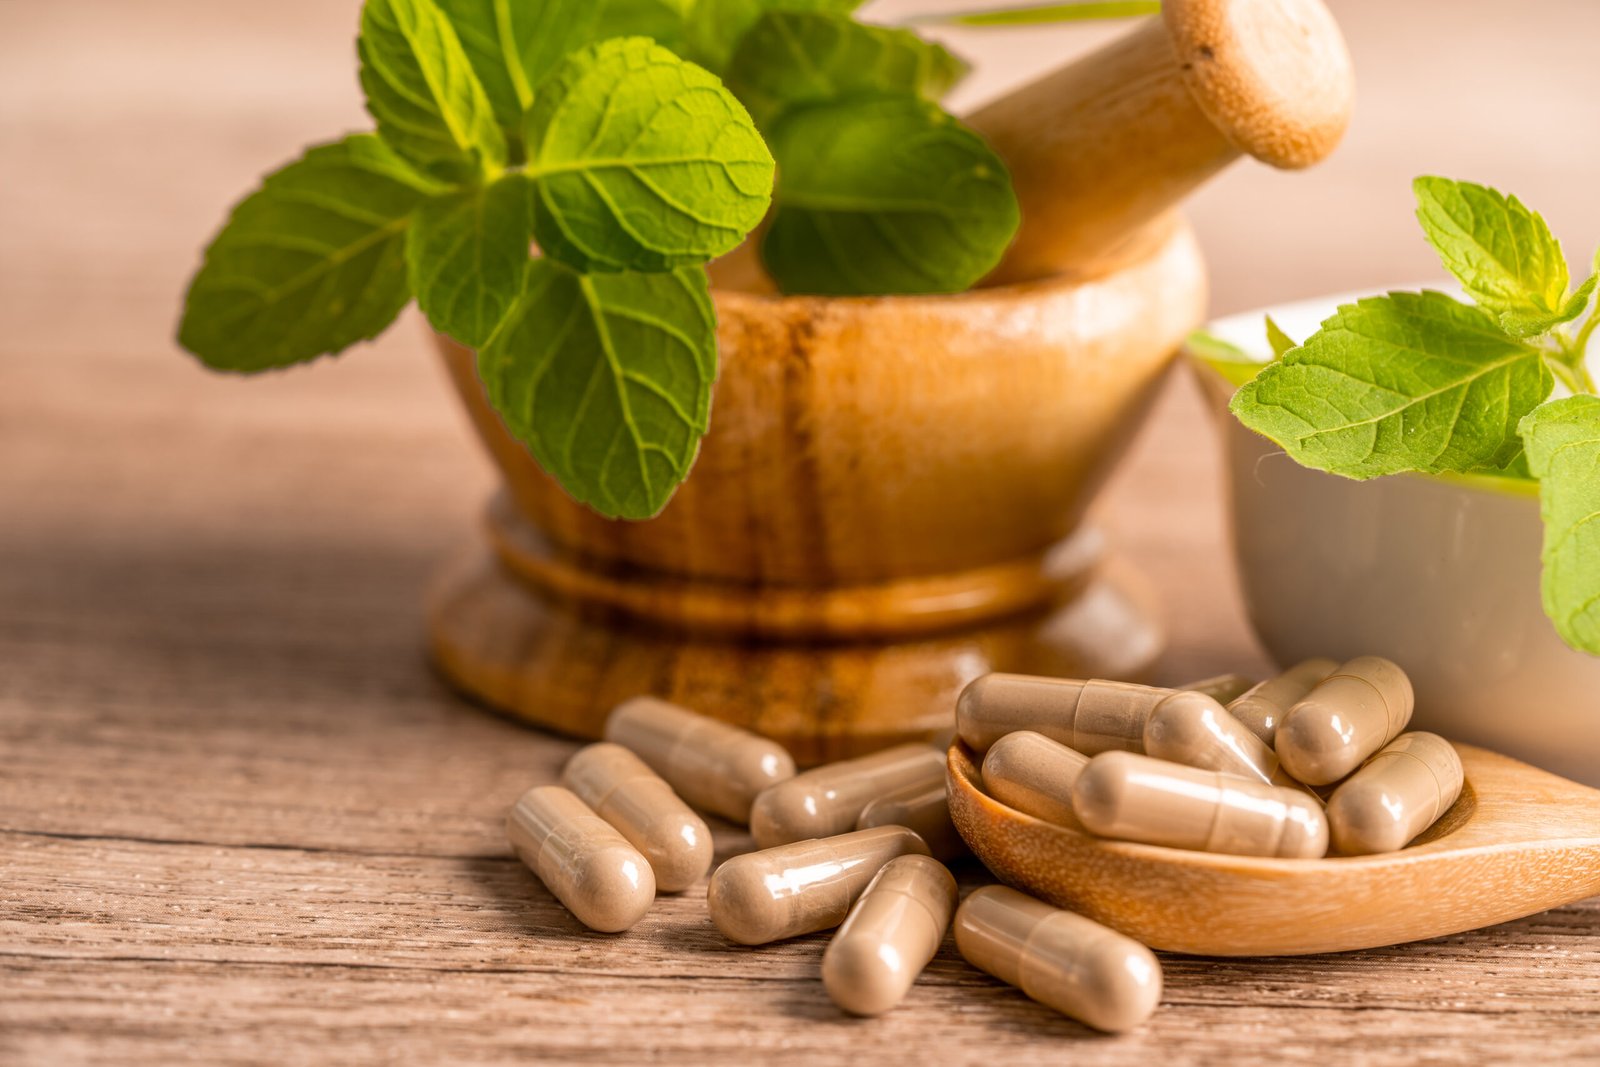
1115	139
1107	143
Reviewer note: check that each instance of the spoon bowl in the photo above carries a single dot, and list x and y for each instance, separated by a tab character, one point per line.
1518	841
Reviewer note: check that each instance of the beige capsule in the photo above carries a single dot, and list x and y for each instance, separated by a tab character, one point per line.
924	809
1193	729
581	858
1356	710
801	887
1059	958
1397	795
1138	798
828	800
1262	709
644	809
1222	687
1091	717
714	766
1033	774
889	936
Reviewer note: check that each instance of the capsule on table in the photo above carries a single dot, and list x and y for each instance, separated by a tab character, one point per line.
1137	798
1059	958
1195	730
1356	710
924	809
828	800
581	858
1222	688
889	936
1262	709
644	809
1397	795
1028	771
714	766
801	887
1091	717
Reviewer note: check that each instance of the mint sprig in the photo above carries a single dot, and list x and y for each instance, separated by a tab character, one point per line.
580	128
1421	382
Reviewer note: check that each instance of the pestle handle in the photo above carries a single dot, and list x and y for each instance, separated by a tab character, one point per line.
1110	142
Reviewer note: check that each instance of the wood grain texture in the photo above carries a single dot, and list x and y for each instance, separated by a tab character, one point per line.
243	821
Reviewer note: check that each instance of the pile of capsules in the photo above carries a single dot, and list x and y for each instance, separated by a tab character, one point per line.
862	844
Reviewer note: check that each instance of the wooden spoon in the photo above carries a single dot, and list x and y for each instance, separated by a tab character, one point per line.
1519	841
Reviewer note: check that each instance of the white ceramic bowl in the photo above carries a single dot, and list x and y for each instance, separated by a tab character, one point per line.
1440	575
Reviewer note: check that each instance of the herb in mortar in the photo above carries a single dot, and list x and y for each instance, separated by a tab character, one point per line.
1422	382
601	132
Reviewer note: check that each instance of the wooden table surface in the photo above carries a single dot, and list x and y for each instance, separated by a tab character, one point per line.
242	822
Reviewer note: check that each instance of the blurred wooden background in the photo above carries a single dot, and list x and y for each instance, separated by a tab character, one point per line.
239	819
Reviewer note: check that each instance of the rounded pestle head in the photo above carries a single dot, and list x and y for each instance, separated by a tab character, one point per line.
1274	76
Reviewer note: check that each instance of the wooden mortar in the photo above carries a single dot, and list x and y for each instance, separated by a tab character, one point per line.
888	504
889	501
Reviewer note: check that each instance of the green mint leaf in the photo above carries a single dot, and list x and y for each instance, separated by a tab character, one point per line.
663	21
1224	357
642	161
467	251
607	379
1281	342
422	92
792	58
1563	441
715	27
887	195
1039	14
513	45
1404	382
310	263
1503	253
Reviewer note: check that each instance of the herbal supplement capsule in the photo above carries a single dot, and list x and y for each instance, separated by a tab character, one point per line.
714	766
828	800
1059	958
645	810
1090	717
801	887
924	809
1030	772
889	936
1262	709
1356	710
1398	794
1137	798
581	858
1193	729
1222	688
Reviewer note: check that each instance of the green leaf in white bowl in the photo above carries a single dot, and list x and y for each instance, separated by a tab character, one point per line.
792	58
310	263
423	94
886	195
642	161
607	378
1501	251
467	250
1403	382
1563	443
